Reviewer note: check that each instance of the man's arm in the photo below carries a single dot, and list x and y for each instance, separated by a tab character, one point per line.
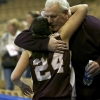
26	41
92	26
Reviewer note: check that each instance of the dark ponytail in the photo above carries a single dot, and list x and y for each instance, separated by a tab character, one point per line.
40	29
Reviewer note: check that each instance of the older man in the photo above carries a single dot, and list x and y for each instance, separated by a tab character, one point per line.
85	46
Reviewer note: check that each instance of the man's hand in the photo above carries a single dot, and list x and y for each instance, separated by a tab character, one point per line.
93	69
56	45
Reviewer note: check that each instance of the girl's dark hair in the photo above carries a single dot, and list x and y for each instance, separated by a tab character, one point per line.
40	29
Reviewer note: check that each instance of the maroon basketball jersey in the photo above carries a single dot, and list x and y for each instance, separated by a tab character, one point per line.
51	76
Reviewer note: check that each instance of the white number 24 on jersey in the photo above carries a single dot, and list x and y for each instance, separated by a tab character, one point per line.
56	63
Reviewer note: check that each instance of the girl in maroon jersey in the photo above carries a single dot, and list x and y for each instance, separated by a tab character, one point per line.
40	29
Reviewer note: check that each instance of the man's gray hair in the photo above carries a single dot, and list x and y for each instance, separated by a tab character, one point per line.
63	4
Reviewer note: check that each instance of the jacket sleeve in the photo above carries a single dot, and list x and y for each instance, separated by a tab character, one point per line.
26	41
93	28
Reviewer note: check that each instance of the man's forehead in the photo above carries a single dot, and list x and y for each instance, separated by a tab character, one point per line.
50	12
54	9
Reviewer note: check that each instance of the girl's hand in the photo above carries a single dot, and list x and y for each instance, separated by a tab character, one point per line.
26	90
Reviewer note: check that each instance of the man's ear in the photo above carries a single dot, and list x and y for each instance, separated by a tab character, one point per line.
66	13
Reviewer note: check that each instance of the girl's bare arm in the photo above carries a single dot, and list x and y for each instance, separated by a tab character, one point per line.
74	21
20	68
